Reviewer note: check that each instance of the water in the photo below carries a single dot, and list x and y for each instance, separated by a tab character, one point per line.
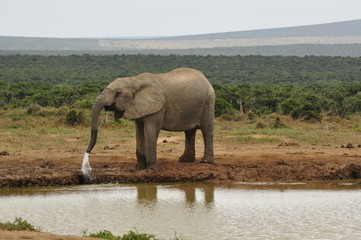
192	210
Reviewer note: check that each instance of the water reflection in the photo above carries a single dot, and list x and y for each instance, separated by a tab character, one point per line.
190	192
147	193
193	210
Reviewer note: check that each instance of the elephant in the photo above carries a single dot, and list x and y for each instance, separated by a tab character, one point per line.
179	100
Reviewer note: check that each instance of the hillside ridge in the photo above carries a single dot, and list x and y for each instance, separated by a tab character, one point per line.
343	39
344	28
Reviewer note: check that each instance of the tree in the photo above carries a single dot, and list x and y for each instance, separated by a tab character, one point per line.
289	105
351	105
222	107
309	109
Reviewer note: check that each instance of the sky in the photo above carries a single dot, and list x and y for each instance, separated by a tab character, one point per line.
139	18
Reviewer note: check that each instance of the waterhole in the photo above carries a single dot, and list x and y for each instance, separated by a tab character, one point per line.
192	210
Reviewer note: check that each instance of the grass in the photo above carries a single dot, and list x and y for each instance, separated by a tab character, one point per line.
131	235
58	130
331	131
22	225
25	132
265	140
18	225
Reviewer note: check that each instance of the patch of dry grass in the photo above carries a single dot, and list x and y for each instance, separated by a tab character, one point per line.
22	132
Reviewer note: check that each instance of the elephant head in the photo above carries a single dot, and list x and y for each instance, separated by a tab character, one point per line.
130	98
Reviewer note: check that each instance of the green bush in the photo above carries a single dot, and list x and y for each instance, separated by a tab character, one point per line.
307	112
18	225
123	122
104	235
84	104
351	104
260	125
62	111
289	105
278	123
251	115
74	117
259	84
46	112
222	107
138	236
309	109
264	110
33	109
131	235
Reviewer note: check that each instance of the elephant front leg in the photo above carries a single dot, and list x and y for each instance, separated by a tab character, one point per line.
151	133
189	149
140	149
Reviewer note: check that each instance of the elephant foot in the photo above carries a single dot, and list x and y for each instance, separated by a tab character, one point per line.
209	160
152	166
141	162
139	167
186	158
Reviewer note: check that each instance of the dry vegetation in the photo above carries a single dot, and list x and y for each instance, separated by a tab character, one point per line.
44	150
49	131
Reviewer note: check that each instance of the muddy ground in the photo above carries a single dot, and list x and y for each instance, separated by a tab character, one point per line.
21	235
285	162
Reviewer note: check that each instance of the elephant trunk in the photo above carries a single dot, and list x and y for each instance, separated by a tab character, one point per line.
97	107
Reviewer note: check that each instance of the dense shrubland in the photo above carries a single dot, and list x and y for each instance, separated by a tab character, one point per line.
302	87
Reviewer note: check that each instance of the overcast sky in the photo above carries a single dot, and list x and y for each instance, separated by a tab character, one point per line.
129	18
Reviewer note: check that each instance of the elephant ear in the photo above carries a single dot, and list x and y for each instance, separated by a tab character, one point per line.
147	99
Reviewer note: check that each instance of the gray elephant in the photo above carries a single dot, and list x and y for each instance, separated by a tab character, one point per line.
180	100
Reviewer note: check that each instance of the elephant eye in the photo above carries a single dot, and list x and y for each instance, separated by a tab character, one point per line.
117	94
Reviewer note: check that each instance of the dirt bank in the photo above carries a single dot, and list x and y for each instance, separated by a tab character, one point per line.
252	163
15	235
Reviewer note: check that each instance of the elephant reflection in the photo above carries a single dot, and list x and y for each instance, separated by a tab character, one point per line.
190	192
148	193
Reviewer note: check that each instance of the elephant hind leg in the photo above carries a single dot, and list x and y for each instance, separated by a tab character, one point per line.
208	156
189	149
207	131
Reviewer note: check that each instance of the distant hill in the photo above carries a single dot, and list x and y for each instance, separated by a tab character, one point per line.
331	39
41	44
345	28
